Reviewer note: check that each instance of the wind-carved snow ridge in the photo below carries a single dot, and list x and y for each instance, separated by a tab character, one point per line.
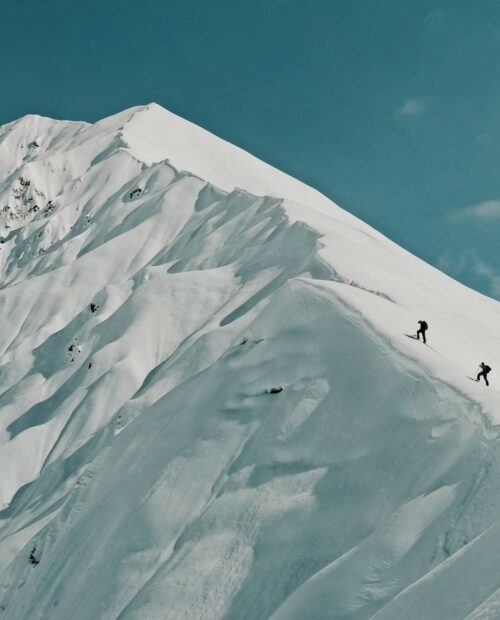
210	407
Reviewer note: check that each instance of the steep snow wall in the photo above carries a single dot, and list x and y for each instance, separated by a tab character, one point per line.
209	407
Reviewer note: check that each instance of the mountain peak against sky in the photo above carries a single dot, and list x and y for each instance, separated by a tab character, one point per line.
213	404
154	134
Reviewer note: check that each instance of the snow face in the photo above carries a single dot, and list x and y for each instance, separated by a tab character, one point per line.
212	405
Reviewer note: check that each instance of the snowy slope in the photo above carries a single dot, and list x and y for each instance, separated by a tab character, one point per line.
156	284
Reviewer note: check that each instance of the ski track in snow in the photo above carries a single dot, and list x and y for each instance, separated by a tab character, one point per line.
144	461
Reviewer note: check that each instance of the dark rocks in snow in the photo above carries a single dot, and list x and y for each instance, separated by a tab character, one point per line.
246	339
33	559
274	390
93	307
134	192
74	350
49	208
28	200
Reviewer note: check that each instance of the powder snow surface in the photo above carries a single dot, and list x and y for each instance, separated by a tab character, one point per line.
156	285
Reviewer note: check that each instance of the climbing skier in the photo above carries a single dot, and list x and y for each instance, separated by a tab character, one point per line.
485	369
421	330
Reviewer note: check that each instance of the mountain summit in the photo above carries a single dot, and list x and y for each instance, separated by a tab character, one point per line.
212	405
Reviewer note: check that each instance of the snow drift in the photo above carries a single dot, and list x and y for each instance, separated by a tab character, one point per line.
210	405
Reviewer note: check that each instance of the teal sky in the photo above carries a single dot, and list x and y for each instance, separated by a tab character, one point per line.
389	107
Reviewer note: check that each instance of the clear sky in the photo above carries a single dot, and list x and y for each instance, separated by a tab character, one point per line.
389	107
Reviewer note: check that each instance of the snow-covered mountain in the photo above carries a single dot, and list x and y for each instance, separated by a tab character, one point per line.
209	405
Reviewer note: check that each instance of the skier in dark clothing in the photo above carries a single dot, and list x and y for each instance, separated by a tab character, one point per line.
421	330
485	369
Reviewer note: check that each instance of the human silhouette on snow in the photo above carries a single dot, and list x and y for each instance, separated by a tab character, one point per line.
421	330
485	369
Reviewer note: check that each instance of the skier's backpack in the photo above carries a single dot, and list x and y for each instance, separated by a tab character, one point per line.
486	369
423	325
